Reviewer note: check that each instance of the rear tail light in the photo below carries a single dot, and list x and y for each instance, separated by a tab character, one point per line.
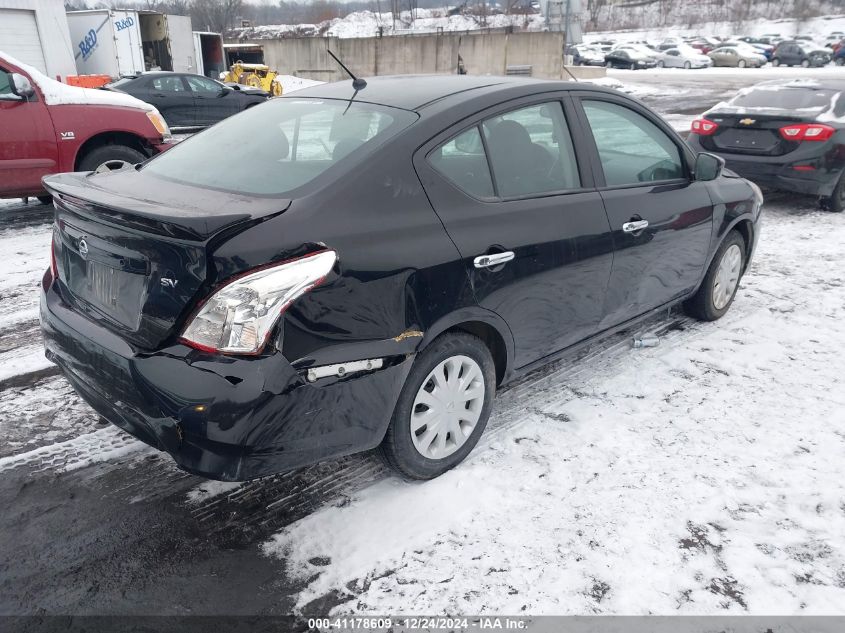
704	127
239	317
807	132
54	268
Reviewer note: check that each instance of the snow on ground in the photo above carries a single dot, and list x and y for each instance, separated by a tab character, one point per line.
25	257
699	477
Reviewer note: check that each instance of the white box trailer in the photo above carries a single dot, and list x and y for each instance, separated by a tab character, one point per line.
208	49
36	33
106	42
168	42
119	42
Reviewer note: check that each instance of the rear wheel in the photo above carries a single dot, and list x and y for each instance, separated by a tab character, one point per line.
718	289
836	201
805	63
443	407
110	158
775	61
839	61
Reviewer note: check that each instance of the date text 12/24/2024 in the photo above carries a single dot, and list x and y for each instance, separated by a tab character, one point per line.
418	623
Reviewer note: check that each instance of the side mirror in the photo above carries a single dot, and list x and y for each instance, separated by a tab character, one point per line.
21	85
224	91
708	166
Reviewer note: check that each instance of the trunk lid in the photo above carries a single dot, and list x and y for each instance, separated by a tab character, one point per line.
133	251
757	133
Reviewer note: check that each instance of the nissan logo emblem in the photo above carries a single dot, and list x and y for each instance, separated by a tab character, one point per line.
83	248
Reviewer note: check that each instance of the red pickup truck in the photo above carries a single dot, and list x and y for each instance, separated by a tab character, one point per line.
47	127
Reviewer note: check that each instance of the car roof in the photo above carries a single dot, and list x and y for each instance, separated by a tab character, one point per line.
413	92
809	83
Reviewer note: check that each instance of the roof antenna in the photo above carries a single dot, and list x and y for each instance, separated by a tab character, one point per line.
358	83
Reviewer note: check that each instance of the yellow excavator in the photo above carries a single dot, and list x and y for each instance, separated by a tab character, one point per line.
255	75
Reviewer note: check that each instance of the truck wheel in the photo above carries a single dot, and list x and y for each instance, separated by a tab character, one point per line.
443	407
110	158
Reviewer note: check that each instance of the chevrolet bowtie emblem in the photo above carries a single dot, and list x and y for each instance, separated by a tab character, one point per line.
747	121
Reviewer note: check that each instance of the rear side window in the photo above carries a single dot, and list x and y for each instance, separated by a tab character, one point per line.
530	152
279	146
462	160
631	148
168	84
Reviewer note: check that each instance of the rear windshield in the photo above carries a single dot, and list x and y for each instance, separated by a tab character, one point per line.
784	98
280	145
120	82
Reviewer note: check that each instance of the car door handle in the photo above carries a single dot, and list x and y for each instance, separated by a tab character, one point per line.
492	259
635	226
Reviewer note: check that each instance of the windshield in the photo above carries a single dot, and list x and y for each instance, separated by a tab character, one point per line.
784	98
279	146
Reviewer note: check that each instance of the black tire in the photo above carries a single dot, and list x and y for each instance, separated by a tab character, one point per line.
836	201
397	447
110	153
775	61
48	199
660	64
687	65
805	63
839	61
741	63
701	305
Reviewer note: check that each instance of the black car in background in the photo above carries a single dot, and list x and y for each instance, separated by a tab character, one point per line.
630	57
373	264
799	53
782	134
187	100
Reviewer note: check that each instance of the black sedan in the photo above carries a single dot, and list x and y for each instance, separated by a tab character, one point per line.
373	265
187	100
782	134
631	58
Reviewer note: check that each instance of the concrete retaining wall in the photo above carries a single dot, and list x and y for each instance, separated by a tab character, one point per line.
482	54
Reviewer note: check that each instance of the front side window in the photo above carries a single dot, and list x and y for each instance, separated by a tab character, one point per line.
631	148
5	83
299	140
203	85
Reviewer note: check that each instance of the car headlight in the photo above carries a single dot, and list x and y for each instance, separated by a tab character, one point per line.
159	123
239	317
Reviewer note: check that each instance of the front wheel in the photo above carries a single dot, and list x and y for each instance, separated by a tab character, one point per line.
660	64
110	158
48	199
687	65
741	63
443	407
718	289
839	61
775	62
805	63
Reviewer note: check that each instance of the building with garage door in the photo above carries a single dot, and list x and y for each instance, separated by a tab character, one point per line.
36	33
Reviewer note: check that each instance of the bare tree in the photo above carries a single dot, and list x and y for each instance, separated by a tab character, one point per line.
217	15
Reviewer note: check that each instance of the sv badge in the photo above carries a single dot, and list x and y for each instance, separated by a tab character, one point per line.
169	283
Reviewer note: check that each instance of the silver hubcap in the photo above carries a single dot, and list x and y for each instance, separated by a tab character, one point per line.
112	165
447	407
727	277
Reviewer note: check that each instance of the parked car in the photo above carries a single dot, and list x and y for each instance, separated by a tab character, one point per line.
670	42
839	56
48	127
736	57
751	49
782	134
187	100
630	57
585	55
705	44
683	57
321	291
800	53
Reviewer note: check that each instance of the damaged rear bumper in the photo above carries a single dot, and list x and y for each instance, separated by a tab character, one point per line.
221	417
